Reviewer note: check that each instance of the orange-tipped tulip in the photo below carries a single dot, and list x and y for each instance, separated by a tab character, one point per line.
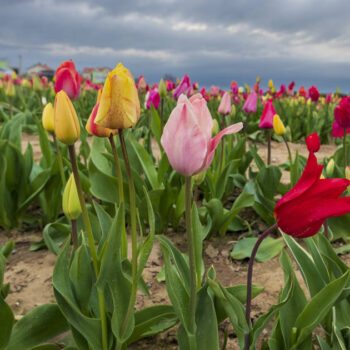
67	128
97	130
48	117
119	104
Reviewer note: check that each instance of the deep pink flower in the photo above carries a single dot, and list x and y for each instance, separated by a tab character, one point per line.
183	88
342	112
338	131
251	103
314	94
187	138
234	87
328	98
68	80
266	121
153	98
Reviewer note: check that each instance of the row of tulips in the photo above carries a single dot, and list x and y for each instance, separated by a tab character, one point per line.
96	282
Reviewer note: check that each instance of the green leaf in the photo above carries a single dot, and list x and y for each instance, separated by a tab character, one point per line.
318	307
7	320
269	248
39	325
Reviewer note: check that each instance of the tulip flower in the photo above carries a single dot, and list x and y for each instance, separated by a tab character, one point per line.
338	131
251	103
328	98
187	136
70	200
271	84
68	80
314	94
214	91
48	117
313	142
67	128
302	91
183	88
10	90
278	125
302	211
162	89
342	113
290	90
225	104
266	121
97	130
141	83
119	105
234	87
153	98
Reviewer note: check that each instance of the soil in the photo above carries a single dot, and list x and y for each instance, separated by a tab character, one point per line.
30	273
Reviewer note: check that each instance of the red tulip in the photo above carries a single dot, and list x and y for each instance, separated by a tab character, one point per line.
302	91
313	142
68	80
338	131
342	113
302	211
314	94
266	121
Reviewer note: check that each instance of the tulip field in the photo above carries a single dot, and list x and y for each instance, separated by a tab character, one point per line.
172	216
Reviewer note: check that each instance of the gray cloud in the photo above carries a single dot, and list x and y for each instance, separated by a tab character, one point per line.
213	41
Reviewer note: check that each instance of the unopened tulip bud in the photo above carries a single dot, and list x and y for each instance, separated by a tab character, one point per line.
233	111
10	90
215	129
273	89
271	85
330	168
37	84
70	201
14	75
258	79
199	178
162	89
48	117
278	125
67	128
313	142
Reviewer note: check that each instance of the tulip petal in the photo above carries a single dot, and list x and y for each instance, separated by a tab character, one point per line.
183	141
201	111
215	141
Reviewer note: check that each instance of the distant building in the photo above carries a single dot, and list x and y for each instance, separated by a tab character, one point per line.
96	75
40	68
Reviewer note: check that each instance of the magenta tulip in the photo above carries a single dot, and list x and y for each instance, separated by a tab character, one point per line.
225	104
266	121
251	103
183	88
153	98
187	138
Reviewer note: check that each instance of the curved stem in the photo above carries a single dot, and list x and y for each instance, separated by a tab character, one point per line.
268	146
133	233
290	159
92	247
249	281
344	150
59	160
191	254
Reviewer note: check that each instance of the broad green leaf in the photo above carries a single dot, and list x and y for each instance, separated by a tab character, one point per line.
7	321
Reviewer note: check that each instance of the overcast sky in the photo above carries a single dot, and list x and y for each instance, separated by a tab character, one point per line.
213	41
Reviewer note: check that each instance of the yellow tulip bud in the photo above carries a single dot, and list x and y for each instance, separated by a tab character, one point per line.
67	128
273	89
37	84
10	90
162	89
25	83
70	200
48	117
258	79
233	110
14	75
278	125
119	105
330	168
215	130
271	85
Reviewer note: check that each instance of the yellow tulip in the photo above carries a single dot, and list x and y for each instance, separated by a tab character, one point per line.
67	128
70	200
258	79
119	104
10	90
25	83
278	125
14	75
37	84
48	117
271	85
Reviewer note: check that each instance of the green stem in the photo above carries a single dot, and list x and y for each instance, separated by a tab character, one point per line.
191	254
121	193
291	167
133	234
11	107
268	146
222	145
344	150
91	241
161	114
59	160
74	234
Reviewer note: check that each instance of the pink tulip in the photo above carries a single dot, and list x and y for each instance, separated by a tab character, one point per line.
266	121
234	87
183	88
328	98
141	83
251	103
187	138
225	104
338	131
153	98
68	80
214	91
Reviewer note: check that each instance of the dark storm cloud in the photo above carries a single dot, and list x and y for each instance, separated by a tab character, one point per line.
213	41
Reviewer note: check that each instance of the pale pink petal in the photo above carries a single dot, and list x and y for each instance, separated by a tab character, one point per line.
201	111
183	140
215	141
